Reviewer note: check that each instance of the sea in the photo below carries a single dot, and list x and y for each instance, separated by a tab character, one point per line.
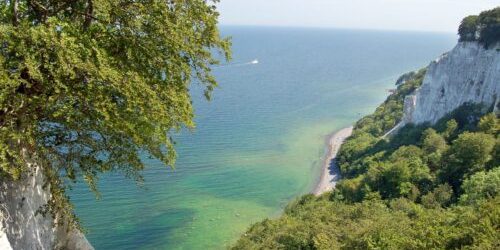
258	143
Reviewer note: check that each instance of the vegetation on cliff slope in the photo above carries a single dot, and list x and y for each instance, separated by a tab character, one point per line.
428	187
86	85
484	28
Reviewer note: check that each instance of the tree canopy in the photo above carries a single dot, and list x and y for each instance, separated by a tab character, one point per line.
86	86
484	27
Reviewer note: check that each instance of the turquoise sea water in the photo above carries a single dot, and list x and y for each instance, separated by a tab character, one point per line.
258	144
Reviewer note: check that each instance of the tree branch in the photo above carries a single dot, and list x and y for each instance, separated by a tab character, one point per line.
88	15
39	9
14	5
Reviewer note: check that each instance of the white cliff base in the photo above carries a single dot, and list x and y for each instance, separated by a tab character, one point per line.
468	73
22	226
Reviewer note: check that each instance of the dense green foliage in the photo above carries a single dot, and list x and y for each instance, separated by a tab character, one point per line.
374	224
86	85
427	187
484	28
468	28
369	128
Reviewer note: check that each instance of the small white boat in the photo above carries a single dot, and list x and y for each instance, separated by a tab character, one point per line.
254	61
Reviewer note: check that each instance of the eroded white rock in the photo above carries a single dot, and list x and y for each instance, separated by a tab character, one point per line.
468	73
21	224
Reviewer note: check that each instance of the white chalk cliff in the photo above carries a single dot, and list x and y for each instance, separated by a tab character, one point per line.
22	226
468	73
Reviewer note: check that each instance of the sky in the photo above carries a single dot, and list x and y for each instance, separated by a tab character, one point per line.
411	15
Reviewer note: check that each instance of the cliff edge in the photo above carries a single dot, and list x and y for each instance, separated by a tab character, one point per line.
468	73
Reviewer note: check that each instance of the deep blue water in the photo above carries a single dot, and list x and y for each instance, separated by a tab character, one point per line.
258	143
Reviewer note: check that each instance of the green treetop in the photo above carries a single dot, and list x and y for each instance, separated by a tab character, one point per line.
86	85
484	28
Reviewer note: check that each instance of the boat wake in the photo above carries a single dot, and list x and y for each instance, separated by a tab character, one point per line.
256	61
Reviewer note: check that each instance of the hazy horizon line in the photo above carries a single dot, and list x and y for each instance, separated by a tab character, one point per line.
338	28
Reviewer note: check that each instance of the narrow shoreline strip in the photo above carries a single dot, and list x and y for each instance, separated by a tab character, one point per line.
330	173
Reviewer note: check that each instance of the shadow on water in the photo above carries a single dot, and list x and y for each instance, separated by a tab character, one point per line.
153	230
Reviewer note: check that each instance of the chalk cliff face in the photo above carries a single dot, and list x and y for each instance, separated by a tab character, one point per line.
468	73
22	226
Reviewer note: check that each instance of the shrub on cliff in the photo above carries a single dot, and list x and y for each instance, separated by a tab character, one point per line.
484	28
489	23
468	28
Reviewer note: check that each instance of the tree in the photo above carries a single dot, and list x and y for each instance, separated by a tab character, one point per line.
439	197
468	28
433	145
432	142
484	28
391	180
351	189
482	185
451	129
489	124
490	26
468	154
495	155
86	85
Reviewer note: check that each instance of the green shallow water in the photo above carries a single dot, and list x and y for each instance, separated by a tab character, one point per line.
259	143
